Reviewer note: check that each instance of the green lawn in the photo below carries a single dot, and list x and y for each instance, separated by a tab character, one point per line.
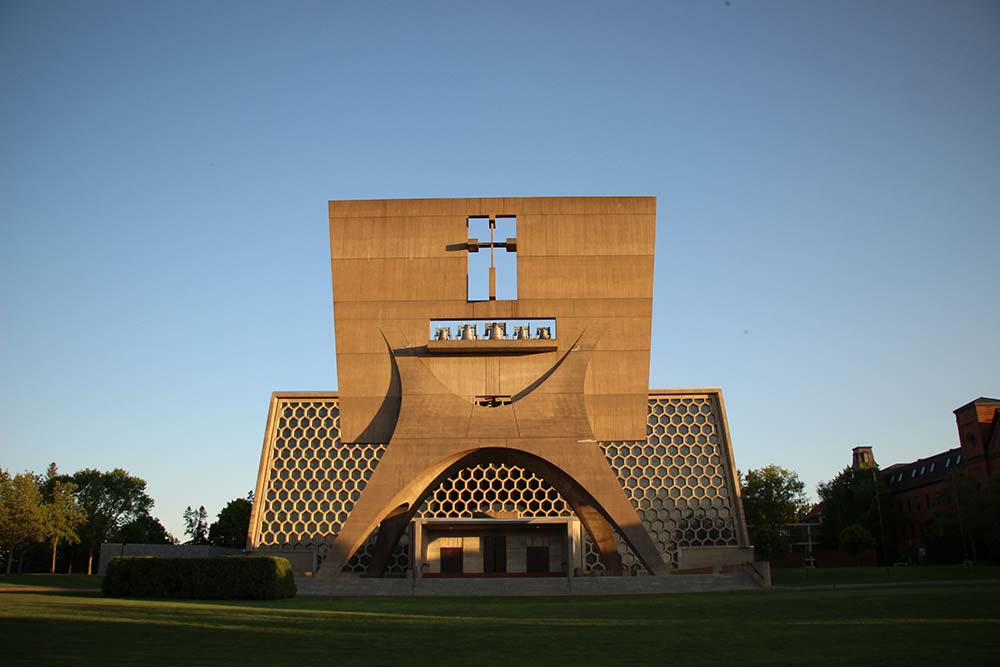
835	576
910	625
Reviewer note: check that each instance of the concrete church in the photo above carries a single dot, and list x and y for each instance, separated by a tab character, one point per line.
494	417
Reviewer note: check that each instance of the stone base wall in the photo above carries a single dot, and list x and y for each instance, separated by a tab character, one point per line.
689	558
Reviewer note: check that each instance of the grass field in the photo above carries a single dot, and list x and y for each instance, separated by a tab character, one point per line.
838	576
915	625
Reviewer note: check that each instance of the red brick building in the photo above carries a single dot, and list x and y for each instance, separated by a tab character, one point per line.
916	488
926	508
979	435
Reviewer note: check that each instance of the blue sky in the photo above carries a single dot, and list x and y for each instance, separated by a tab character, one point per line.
827	175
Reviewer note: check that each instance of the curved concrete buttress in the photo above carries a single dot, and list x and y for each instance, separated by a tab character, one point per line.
437	429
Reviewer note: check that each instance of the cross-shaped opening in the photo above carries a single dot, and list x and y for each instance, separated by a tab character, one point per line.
492	269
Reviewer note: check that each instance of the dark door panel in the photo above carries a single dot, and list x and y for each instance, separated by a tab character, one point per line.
538	559
495	554
451	560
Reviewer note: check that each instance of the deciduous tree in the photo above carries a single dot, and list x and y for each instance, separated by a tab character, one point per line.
21	515
855	496
231	527
61	516
856	538
111	500
772	497
146	529
967	514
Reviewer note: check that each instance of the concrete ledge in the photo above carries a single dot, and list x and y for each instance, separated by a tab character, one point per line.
491	346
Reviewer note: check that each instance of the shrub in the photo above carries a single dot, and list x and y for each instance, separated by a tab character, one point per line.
225	577
855	538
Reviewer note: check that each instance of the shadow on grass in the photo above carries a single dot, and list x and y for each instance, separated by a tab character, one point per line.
842	576
819	627
51	580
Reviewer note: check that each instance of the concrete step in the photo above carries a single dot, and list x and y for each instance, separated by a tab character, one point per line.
691	583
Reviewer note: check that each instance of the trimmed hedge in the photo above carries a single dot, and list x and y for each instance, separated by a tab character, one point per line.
219	578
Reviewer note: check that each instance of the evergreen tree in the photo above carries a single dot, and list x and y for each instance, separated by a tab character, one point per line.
196	525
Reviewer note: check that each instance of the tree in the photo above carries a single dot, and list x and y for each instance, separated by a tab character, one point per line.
196	525
111	500
855	539
772	497
967	514
855	496
232	525
991	532
61	515
145	529
21	515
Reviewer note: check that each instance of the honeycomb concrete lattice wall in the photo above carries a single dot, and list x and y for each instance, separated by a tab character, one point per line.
441	453
495	489
678	481
312	479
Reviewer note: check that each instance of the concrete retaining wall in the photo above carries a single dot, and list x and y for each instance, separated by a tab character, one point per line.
714	557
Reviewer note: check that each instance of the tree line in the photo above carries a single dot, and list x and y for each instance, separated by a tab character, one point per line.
859	513
853	520
91	507
228	530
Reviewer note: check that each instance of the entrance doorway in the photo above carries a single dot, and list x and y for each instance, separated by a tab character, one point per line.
538	559
487	547
452	559
494	554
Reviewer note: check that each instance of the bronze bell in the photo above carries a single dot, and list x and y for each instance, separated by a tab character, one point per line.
521	333
468	332
442	333
543	333
494	331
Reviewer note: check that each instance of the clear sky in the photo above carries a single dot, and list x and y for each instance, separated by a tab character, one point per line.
827	175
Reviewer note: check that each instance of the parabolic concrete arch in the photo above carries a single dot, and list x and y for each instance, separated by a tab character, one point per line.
437	429
593	517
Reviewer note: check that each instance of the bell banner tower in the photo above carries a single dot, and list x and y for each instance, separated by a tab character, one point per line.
494	416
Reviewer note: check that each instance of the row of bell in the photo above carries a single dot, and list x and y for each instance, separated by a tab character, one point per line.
494	331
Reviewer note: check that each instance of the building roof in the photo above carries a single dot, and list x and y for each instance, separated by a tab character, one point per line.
906	476
982	400
815	513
